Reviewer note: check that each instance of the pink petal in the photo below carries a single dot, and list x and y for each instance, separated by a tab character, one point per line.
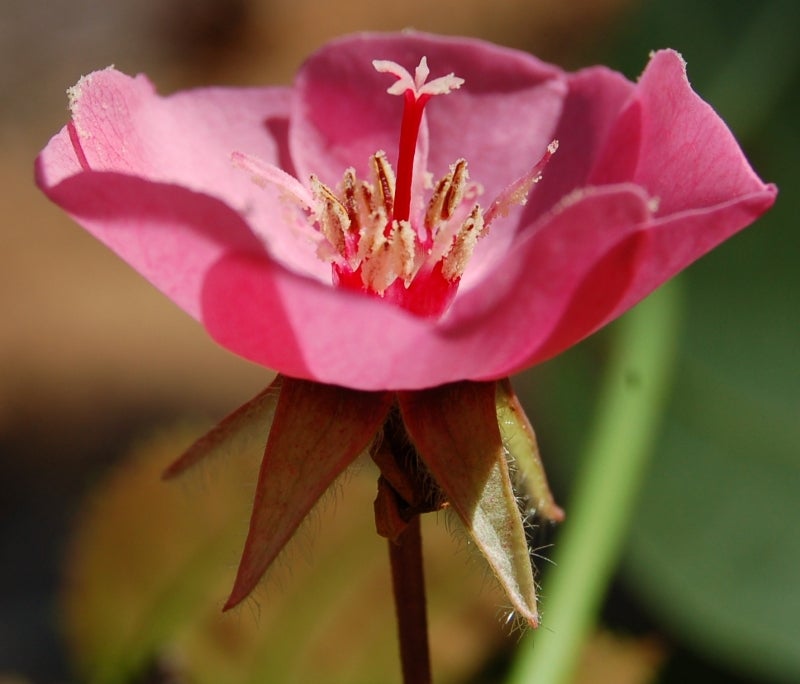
343	115
527	295
673	144
653	255
592	106
182	145
122	125
283	321
675	242
169	234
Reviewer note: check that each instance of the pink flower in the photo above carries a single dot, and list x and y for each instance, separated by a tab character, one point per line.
394	292
647	178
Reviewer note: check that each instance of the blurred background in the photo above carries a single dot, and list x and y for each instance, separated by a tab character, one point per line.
108	575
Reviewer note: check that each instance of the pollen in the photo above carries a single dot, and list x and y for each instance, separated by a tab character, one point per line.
456	259
366	241
447	196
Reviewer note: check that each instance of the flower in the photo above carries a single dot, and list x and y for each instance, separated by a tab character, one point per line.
647	178
394	306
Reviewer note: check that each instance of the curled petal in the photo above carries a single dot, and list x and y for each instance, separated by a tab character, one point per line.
119	123
128	149
672	143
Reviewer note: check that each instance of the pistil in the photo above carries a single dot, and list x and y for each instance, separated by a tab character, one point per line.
413	108
416	92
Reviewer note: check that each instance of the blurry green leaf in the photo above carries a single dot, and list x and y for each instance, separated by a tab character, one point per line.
715	548
151	564
146	556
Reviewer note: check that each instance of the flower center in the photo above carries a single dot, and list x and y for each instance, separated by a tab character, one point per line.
377	234
383	243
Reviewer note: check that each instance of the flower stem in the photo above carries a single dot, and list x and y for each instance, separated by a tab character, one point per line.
626	425
408	583
404	492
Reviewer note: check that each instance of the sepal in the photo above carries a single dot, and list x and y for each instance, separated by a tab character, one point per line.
522	449
455	431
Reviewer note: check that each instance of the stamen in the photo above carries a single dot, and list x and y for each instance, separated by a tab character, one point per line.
517	193
332	216
391	256
384	180
349	190
263	174
463	245
447	196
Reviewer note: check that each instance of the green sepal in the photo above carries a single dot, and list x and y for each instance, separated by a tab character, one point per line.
527	470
